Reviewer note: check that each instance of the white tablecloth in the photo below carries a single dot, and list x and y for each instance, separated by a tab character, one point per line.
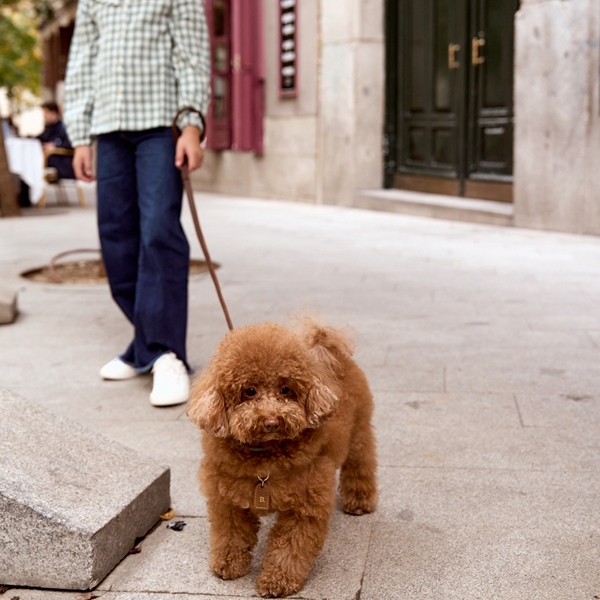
26	159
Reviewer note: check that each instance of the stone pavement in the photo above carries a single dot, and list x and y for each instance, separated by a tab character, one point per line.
482	347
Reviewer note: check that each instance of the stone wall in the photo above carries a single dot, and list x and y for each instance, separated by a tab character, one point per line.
557	130
287	169
325	143
351	99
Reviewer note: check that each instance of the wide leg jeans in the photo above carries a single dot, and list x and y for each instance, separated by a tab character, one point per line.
144	247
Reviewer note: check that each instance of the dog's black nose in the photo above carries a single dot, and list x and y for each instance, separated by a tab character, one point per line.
271	424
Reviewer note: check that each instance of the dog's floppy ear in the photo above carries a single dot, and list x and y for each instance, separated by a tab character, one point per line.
207	407
320	403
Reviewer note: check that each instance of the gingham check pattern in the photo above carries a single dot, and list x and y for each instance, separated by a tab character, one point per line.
133	64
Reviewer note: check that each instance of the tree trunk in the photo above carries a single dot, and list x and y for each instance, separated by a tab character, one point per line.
9	206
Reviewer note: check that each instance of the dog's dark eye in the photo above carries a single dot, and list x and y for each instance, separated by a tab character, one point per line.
285	390
249	392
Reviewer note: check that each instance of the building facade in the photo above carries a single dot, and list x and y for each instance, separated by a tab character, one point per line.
557	108
316	100
323	89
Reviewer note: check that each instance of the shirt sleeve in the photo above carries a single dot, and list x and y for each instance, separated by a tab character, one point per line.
191	59
79	82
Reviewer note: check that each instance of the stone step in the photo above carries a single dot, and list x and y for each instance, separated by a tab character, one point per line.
72	501
437	206
8	305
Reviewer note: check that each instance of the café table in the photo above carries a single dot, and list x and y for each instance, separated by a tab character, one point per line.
26	159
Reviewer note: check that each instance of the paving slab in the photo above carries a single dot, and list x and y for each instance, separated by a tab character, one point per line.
181	558
485	534
499	563
552	411
481	345
481	431
498	447
28	594
594	336
72	502
422	377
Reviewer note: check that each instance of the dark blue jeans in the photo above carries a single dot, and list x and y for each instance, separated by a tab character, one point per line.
145	250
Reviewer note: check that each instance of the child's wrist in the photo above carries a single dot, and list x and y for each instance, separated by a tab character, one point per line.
191	130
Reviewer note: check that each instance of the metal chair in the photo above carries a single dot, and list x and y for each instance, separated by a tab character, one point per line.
52	179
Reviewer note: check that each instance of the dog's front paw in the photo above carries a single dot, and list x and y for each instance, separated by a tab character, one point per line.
274	582
231	563
359	505
358	496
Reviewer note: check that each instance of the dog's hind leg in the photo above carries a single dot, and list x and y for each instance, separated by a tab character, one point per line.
233	535
358	480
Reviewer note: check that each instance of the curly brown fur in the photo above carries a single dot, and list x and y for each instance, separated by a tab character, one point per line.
293	407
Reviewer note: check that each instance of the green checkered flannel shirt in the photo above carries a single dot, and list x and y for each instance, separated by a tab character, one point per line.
133	64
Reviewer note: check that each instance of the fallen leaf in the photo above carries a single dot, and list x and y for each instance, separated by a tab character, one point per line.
135	550
4	588
177	526
168	515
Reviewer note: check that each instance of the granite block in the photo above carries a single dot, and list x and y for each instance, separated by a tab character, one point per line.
72	501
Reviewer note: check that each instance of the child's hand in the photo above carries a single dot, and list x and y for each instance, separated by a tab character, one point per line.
82	163
188	149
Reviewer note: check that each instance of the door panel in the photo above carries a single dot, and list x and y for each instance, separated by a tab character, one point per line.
442	80
449	66
430	140
490	112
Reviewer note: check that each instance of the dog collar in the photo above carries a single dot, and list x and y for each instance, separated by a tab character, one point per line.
253	449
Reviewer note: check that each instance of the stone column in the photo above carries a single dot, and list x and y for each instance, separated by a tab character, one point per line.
557	129
351	99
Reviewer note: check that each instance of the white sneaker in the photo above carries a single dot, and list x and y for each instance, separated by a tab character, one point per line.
116	369
171	381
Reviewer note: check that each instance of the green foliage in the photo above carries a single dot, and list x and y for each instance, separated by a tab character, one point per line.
41	8
20	56
19	62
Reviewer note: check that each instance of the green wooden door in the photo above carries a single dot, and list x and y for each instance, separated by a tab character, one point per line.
490	123
449	92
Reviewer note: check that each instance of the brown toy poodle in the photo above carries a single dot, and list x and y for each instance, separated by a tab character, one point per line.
282	411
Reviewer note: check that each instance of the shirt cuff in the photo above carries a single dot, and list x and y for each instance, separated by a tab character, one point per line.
191	118
81	142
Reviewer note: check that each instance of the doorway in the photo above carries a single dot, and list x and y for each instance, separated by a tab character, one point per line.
449	96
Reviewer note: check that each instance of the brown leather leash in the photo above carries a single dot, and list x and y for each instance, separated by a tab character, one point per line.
185	176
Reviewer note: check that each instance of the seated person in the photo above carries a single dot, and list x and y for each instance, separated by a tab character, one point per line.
55	136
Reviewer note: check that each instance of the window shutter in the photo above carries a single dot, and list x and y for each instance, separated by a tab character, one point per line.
218	122
65	36
248	75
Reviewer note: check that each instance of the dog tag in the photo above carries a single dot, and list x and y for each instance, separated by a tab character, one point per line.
262	500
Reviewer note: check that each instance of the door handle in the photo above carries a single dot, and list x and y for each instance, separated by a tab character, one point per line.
452	51
476	44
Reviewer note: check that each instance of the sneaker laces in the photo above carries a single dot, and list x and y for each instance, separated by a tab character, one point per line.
169	364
